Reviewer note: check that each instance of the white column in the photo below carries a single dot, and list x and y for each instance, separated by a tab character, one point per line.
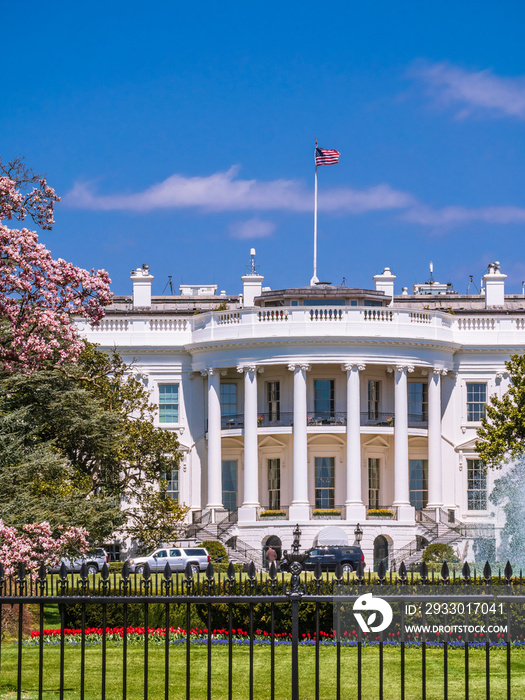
300	507
355	508
248	510
214	439
401	481
435	490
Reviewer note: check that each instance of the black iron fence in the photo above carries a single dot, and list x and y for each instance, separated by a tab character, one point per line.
269	629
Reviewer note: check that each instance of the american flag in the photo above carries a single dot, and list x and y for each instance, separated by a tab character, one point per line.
326	156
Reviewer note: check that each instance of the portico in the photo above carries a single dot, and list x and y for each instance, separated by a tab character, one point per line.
323	437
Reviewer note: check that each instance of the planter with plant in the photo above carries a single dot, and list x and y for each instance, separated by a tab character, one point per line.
272	514
380	514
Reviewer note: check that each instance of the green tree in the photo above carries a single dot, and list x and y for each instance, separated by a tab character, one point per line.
501	436
78	441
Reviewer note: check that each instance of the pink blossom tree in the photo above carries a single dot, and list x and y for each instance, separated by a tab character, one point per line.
40	295
35	544
24	192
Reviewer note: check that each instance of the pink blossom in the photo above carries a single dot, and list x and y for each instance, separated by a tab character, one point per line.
35	544
38	297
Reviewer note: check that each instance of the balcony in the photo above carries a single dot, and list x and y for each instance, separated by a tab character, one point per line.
326	418
387	420
284	419
377	419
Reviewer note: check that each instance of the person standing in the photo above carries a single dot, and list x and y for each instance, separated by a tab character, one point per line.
271	555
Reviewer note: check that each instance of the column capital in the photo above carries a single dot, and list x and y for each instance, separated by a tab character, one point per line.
404	368
248	368
299	365
439	371
349	366
208	372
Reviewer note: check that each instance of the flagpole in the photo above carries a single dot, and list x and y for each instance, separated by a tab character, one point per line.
315	279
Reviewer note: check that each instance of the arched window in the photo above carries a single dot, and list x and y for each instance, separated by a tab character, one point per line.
274	542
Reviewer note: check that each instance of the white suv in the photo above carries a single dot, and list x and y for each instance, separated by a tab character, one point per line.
177	557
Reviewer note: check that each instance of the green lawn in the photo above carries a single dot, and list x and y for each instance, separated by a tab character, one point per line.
261	673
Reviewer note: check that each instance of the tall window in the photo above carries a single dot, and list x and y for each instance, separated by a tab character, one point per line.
228	400
274	401
324	482
173	485
324	397
477	485
373	482
229	484
476	400
374	397
418	479
274	484
418	401
168	403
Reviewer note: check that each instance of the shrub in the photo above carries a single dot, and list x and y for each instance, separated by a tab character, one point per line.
216	550
438	552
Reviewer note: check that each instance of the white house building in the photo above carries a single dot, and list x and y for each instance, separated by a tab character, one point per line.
322	403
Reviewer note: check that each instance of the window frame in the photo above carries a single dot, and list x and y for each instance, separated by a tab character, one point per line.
162	406
274	492
480	413
423	414
273	388
326	499
374	410
330	411
225	414
376	501
471	485
424	483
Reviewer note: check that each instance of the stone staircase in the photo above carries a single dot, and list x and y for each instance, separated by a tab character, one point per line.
224	530
434	526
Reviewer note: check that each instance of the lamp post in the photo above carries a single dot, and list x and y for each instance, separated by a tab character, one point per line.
358	533
296	544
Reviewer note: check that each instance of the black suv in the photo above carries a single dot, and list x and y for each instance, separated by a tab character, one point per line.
329	557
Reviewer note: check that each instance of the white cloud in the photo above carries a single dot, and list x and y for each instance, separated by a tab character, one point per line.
475	92
224	191
451	216
253	228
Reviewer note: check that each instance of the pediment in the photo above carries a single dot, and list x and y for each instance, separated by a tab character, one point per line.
468	446
376	441
326	439
417	441
233	441
271	441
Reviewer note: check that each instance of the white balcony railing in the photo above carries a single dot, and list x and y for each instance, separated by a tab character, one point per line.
318	322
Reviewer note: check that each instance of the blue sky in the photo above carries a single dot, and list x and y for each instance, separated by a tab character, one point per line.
182	134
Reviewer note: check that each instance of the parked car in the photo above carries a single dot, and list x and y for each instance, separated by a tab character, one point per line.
94	560
177	557
349	557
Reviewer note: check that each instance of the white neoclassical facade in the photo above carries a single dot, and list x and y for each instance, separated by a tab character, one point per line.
326	403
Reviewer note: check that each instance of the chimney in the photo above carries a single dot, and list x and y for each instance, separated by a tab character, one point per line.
252	282
142	280
494	286
385	283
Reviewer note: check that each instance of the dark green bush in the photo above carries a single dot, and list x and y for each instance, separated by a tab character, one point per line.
438	552
216	550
